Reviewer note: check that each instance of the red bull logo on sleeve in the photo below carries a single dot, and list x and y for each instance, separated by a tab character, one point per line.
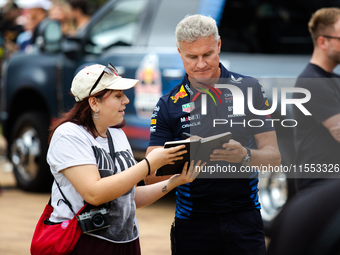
180	94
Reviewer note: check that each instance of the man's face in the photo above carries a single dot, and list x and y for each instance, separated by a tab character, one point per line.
34	17
201	58
333	49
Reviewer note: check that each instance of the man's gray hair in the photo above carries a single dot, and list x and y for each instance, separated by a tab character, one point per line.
193	27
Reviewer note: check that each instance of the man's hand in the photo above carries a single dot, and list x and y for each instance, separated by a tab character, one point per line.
333	126
335	132
267	152
232	152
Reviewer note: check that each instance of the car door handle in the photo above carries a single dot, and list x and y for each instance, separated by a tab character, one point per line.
173	73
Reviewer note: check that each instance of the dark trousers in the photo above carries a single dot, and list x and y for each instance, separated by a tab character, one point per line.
93	245
240	234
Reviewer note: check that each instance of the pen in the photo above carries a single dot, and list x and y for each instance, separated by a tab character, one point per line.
186	135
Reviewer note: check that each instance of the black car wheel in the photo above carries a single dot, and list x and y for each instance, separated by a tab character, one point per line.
28	148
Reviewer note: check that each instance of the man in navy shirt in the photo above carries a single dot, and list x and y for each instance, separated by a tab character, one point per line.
215	214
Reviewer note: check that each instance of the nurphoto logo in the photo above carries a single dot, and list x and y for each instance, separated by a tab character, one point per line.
238	100
238	104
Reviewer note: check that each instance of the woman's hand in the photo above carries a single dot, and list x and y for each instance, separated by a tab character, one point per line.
161	156
148	194
187	175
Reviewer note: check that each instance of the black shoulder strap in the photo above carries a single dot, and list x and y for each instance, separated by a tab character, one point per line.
111	146
65	199
112	154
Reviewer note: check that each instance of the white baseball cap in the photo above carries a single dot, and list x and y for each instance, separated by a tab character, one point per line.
31	4
84	83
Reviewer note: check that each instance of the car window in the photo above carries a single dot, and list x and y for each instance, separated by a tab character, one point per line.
119	25
248	26
271	27
169	13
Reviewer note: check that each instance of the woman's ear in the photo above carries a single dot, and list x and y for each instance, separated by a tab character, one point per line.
93	103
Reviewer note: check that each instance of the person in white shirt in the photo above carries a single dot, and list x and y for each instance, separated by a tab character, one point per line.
88	169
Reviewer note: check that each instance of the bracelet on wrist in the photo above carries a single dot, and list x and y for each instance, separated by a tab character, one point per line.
149	168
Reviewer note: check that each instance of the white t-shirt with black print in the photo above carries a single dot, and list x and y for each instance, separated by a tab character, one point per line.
71	145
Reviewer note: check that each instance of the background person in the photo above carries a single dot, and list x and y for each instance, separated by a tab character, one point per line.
61	11
309	223
317	136
9	26
35	12
80	13
215	215
87	169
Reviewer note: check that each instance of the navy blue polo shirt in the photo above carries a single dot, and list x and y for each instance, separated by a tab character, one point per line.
180	111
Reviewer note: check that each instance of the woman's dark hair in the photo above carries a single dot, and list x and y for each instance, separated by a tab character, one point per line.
81	114
81	4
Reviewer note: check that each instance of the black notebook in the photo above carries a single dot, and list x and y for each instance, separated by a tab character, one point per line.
198	149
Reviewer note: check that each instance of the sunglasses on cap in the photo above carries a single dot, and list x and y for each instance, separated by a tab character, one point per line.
110	70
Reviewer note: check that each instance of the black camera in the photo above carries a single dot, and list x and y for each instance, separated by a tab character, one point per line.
94	219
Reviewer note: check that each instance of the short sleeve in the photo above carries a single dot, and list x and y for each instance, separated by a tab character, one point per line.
260	102
160	127
67	150
324	102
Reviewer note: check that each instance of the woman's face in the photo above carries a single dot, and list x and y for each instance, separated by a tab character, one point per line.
111	108
56	13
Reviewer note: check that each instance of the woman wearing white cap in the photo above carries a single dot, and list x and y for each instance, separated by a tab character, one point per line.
80	156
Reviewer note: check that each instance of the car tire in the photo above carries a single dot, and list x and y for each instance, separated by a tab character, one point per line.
27	151
275	189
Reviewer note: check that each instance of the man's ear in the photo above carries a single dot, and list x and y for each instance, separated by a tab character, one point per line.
178	49
219	43
321	42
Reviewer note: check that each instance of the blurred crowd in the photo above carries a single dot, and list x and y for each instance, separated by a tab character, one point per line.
19	24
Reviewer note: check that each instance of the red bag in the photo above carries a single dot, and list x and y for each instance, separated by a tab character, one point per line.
57	238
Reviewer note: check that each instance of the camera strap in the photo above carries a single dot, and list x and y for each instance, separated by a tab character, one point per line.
65	200
112	148
112	154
